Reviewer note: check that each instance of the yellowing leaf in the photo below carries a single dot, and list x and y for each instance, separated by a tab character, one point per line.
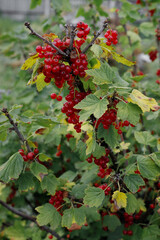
124	146
29	62
97	65
144	102
120	199
40	83
108	50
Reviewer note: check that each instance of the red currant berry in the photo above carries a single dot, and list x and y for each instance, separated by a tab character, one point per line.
130	232
47	79
59	98
39	49
36	151
50	236
53	95
152	206
30	155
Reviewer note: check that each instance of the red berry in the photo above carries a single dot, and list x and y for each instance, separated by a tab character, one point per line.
30	155
126	123
47	79
53	95
50	236
152	206
39	49
36	151
59	98
130	232
158	185
25	158
80	34
125	232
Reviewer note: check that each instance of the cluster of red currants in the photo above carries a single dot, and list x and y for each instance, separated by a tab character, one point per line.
28	156
106	188
59	151
79	65
102	163
83	31
12	194
73	98
54	96
53	63
69	136
129	220
153	55
57	200
111	36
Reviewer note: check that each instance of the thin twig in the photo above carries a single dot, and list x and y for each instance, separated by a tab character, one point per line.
72	36
105	24
30	218
27	24
5	111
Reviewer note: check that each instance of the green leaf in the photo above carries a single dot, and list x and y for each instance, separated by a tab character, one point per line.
17	231
131	203
147	28
69	175
97	50
99	151
147	167
43	157
92	105
26	182
133	182
48	215
49	183
38	170
156	158
78	190
145	138
129	111
3	133
151	233
92	214
35	3
12	168
103	75
112	222
73	215
94	196
110	135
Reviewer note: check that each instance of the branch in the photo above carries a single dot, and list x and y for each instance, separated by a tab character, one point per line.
15	128
72	36
27	24
30	218
105	24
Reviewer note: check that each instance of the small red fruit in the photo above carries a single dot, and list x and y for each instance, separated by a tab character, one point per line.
152	206
36	151
50	236
53	95
130	232
59	98
30	155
